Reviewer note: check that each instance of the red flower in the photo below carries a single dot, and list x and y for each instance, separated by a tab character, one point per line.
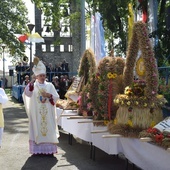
149	130
159	137
152	130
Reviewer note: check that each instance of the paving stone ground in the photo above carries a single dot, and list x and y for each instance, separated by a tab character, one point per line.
14	153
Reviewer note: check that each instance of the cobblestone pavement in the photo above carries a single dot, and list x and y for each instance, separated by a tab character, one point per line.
14	153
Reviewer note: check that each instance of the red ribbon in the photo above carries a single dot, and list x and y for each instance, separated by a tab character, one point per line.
144	13
144	16
110	98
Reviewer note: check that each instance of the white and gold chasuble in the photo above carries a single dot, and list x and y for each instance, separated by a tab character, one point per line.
41	113
3	100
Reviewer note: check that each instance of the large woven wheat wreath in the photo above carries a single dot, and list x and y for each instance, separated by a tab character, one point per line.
140	41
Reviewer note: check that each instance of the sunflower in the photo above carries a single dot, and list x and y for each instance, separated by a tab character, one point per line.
109	75
114	75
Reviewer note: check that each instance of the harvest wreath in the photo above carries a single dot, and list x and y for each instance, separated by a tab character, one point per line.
140	105
104	86
87	68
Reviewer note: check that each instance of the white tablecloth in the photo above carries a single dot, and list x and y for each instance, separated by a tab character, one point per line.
108	145
58	118
145	155
80	130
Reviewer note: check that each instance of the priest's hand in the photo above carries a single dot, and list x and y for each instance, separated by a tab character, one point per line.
44	94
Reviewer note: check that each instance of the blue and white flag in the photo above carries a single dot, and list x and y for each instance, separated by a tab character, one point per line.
97	37
152	19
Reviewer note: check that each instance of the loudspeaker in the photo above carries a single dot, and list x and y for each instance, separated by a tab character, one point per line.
11	72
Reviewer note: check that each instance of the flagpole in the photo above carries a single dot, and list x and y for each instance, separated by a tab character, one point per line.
83	39
30	27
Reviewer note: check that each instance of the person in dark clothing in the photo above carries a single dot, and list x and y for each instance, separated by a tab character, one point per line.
19	70
58	70
65	67
26	70
50	72
62	85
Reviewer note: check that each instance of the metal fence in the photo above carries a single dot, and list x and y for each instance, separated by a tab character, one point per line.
164	72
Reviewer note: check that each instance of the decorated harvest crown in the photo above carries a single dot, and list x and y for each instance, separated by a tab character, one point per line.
140	106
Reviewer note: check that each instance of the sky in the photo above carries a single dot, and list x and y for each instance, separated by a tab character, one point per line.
31	17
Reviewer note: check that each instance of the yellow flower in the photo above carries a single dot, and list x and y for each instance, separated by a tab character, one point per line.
116	101
128	90
114	75
159	96
115	121
109	75
130	123
153	123
137	102
128	103
145	104
106	122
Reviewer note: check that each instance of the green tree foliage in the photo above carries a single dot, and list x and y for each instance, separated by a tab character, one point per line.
13	21
52	11
162	34
115	20
115	17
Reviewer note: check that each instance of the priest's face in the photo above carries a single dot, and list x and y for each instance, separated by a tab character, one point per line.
41	78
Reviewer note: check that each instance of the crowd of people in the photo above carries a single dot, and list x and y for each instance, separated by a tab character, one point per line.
58	74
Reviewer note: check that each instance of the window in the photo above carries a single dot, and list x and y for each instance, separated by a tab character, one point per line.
44	47
70	48
61	48
52	48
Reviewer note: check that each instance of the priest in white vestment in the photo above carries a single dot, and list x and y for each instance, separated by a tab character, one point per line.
40	99
3	100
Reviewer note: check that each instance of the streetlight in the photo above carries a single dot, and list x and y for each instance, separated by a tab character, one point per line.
30	27
3	47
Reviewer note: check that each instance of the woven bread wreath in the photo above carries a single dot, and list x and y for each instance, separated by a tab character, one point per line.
140	40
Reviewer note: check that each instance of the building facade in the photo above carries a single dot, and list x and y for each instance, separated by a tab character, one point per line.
68	47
